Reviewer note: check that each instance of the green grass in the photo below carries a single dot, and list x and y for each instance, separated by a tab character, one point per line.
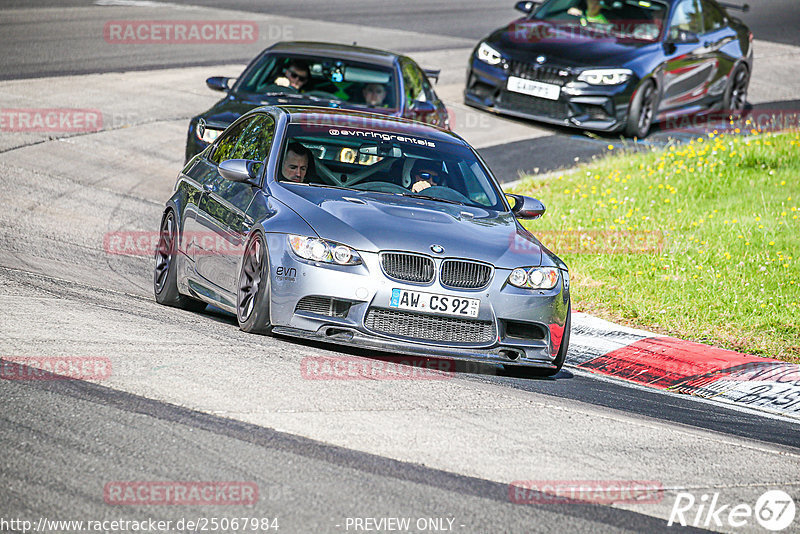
699	241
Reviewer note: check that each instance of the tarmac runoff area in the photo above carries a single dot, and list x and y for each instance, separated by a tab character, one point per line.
63	296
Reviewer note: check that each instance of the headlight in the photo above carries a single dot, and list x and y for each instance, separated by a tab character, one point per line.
605	76
314	249
534	278
489	55
206	134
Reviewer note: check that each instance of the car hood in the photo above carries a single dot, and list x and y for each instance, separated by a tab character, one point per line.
374	222
230	108
570	46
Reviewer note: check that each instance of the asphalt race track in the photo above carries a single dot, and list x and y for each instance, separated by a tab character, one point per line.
192	398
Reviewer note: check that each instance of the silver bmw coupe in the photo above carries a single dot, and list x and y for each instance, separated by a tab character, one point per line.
364	230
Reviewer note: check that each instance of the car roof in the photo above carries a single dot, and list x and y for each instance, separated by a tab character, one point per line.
344	52
342	118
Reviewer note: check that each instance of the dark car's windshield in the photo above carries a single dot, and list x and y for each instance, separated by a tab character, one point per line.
328	78
367	159
635	19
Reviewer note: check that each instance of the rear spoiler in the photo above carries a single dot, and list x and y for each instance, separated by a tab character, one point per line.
432	74
743	8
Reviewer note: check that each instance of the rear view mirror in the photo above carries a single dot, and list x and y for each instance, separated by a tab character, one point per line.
218	83
384	150
525	207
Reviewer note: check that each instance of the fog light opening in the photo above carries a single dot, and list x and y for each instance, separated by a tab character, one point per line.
510	354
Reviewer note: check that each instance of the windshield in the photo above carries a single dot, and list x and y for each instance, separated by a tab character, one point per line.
411	165
635	19
326	78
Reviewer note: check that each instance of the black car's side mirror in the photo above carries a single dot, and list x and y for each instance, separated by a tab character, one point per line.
422	106
682	37
218	83
525	207
525	7
239	170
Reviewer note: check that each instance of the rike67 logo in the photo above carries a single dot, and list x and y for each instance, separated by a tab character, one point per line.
774	511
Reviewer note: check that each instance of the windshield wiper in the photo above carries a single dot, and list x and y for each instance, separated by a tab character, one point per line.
331	186
426	197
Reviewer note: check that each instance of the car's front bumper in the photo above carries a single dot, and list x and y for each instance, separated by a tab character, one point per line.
513	326
580	105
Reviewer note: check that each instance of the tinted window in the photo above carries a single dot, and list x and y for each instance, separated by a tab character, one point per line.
390	163
416	83
255	142
713	19
330	78
687	17
227	142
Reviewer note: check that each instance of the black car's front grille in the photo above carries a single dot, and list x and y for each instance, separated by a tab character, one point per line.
539	73
464	274
408	267
429	327
324	306
535	106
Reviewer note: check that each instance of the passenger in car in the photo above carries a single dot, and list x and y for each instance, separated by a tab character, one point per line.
592	12
296	162
374	95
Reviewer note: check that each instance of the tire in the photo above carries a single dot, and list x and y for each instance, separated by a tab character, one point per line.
643	110
534	372
165	272
253	290
735	99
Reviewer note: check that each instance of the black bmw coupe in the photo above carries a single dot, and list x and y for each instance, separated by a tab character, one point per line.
321	74
613	65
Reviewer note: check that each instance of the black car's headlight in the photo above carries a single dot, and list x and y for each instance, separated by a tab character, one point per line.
605	76
534	277
489	55
315	249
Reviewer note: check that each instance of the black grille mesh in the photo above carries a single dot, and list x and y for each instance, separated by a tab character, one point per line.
538	73
465	274
324	306
408	267
429	327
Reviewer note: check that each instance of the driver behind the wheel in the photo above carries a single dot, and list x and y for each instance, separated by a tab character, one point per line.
295	75
426	173
296	162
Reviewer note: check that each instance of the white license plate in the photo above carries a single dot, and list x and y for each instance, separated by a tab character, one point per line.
429	302
529	87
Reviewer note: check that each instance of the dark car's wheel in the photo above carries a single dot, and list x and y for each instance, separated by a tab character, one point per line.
533	372
643	110
736	92
165	273
252	300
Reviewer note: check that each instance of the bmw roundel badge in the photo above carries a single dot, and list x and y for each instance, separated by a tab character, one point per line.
438	249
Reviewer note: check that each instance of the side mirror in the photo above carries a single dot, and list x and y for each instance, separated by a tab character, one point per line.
423	107
218	83
239	170
682	37
525	7
525	207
